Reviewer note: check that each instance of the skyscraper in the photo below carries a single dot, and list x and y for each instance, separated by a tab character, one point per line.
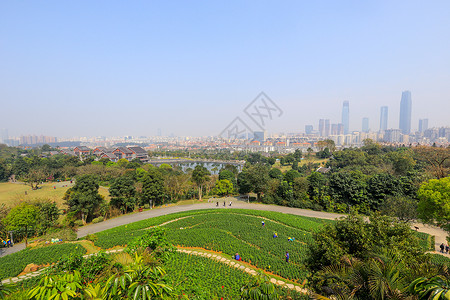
405	112
365	125
321	127
327	127
345	117
383	118
423	125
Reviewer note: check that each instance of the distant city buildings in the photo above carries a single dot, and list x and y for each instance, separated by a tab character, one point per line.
309	129
423	125
365	125
405	112
383	118
324	127
35	140
259	136
346	117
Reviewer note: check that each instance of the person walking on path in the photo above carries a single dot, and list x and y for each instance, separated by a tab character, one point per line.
217	203
446	248
442	247
263	224
237	257
287	256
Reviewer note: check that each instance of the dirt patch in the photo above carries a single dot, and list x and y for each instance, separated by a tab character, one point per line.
32	268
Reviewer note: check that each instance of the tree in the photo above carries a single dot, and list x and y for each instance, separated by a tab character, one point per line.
290	175
434	202
153	187
259	288
200	176
354	237
244	183
275	173
258	178
48	215
35	176
123	193
22	217
402	207
436	288
223	187
83	198
438	159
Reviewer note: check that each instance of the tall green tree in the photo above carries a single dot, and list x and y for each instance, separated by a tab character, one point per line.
153	187
258	178
83	198
23	217
223	187
123	193
200	176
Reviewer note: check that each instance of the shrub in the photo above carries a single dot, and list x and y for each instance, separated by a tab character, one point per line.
146	206
97	220
78	223
91	237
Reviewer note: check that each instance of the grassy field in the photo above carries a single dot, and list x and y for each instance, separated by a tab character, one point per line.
13	193
312	159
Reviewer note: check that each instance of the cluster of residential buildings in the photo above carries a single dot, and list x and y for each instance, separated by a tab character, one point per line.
113	154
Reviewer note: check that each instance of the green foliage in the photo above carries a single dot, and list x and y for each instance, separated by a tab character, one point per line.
436	288
223	187
154	241
123	194
83	198
14	263
65	286
259	288
4	291
434	204
152	187
200	176
354	237
22	217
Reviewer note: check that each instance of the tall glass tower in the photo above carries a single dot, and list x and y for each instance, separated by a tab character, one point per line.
365	125
405	112
383	118
345	117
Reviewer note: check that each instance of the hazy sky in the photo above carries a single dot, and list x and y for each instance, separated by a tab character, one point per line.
88	68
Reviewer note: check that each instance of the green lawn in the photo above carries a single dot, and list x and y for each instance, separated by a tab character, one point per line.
13	193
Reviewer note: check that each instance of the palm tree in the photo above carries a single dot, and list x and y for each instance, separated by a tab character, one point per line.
435	288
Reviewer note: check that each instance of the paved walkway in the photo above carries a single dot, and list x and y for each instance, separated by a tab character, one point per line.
440	235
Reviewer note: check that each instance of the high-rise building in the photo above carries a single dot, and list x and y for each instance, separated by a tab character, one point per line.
405	112
345	117
4	136
259	136
327	127
365	125
321	127
423	125
309	129
383	118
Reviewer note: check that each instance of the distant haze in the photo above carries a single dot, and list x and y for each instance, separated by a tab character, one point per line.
111	68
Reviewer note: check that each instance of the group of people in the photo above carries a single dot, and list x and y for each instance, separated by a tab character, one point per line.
444	247
7	243
217	203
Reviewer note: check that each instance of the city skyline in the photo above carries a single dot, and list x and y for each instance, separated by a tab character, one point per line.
191	68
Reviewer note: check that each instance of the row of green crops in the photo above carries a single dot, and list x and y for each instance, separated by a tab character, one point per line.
426	241
203	278
121	235
13	264
244	234
440	259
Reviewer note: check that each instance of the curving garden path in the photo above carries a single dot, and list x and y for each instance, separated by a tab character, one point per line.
440	235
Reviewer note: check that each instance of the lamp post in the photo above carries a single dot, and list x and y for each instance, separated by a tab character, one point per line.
11	235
